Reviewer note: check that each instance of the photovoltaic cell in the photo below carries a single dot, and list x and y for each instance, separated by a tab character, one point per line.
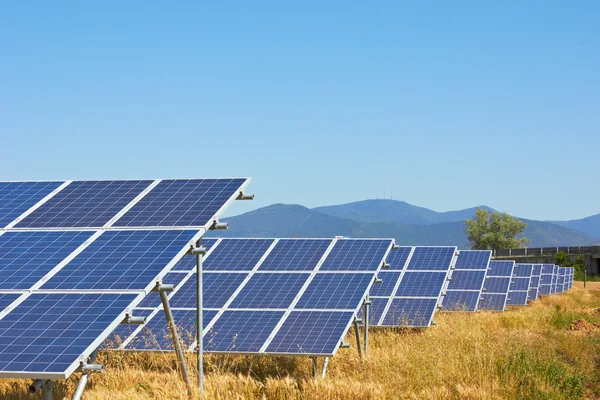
501	268
431	258
498	285
237	254
335	291
84	204
354	255
121	260
217	288
295	255
397	258
388	284
421	284
270	290
416	312
473	259
183	202
466	280
461	300
241	331
517	299
311	332
492	302
26	257
6	300
18	197
48	333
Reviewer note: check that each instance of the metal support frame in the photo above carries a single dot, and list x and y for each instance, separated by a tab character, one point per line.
357	332
315	368
199	252
367	305
325	364
47	388
85	376
163	289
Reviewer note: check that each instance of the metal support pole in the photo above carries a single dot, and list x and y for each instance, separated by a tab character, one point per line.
199	322
366	323
357	332
175	337
325	363
47	388
315	368
84	378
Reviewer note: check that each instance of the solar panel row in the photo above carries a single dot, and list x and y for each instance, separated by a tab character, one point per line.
268	296
496	286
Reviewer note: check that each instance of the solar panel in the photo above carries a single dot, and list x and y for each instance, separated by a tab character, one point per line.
496	286
18	197
46	334
545	288
555	279
26	257
6	299
295	255
84	204
183	203
279	305
534	285
125	260
464	289
414	296
519	286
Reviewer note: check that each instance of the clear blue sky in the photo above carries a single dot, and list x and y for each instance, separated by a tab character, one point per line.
442	104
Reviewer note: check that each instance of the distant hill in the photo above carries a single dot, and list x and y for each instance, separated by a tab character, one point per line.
283	220
589	225
395	211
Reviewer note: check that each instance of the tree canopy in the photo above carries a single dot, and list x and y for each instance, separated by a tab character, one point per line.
495	231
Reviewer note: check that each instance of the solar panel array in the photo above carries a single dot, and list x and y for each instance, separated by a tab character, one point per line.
464	289
534	284
68	276
496	286
411	288
267	296
519	285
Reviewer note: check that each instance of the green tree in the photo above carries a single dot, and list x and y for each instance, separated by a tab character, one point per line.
495	231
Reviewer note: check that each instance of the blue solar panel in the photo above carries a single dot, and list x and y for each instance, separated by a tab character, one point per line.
546	280
270	290
473	259
6	300
421	284
48	333
410	312
295	255
520	284
156	334
18	197
397	258
26	257
466	280
497	284
121	260
311	333
184	202
431	258
356	255
376	309
336	291
152	300
237	254
217	288
523	270
241	331
517	299
386	288
461	301
501	268
84	204
492	302
188	262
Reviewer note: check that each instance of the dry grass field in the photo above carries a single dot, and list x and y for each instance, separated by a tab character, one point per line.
548	350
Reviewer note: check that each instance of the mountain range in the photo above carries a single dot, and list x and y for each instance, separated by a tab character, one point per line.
408	224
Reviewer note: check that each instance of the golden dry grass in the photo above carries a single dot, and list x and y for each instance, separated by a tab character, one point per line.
528	352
